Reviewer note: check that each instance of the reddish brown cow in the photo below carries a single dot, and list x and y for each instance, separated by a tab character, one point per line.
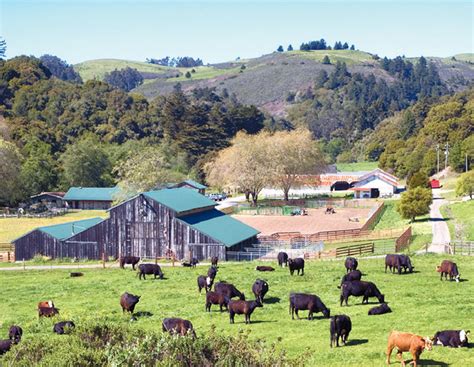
448	268
406	342
45	304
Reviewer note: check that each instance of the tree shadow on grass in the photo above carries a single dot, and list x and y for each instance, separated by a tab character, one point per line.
357	342
141	314
271	300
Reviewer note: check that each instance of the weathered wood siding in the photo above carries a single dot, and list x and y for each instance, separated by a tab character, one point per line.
89	204
34	243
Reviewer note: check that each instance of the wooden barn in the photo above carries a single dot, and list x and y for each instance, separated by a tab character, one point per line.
177	223
191	184
91	197
50	199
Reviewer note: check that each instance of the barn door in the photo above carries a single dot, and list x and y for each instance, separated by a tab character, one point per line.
127	250
144	239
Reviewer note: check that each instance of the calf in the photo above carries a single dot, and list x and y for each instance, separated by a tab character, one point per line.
128	302
264	268
228	290
191	264
351	276
63	327
204	282
46	304
310	302
406	342
47	311
448	268
15	333
134	260
259	289
5	345
340	327
380	310
360	288
296	264
451	338
214	261
149	269
282	259
214	298
242	308
351	264
178	326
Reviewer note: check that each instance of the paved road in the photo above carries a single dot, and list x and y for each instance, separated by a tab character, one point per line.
441	236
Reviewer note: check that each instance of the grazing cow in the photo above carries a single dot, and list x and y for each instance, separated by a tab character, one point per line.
351	264
63	327
399	263
380	310
282	259
405	263
259	289
214	261
360	288
310	302
228	290
340	327
134	260
264	268
296	264
451	338
178	326
191	264
215	298
46	304
406	342
242	308
153	269
47	311
5	345
128	302
212	272
15	333
204	282
448	268
351	276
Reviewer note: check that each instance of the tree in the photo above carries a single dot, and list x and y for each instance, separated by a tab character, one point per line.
291	155
290	48
418	179
352	47
280	48
3	48
146	169
321	79
415	202
10	166
86	164
125	79
326	60
345	46
60	68
465	184
187	75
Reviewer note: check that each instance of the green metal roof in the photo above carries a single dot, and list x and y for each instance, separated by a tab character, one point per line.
65	230
91	193
195	184
181	199
221	227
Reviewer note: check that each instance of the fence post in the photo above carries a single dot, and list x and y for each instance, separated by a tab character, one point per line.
103	260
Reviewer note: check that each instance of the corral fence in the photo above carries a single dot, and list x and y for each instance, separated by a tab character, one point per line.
7	252
374	216
462	248
49	214
402	242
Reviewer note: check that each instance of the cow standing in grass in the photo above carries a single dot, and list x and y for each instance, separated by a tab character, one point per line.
406	342
340	327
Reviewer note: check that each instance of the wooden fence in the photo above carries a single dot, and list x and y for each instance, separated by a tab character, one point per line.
362	249
462	248
374	218
403	241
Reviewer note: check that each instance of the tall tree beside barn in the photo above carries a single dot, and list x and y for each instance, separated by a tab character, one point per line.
293	154
10	165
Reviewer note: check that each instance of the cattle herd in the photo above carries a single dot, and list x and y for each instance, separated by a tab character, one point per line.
228	297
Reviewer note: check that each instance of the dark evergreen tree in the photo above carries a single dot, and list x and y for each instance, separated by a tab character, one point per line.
352	47
3	48
187	75
290	48
125	79
321	79
326	60
280	48
345	46
60	68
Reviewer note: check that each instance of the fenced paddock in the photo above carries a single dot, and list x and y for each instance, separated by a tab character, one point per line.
462	248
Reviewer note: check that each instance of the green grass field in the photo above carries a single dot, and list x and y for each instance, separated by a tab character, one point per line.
11	228
461	219
357	166
421	303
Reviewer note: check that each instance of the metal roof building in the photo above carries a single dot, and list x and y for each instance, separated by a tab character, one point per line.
91	197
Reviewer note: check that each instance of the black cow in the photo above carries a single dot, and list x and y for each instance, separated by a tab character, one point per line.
282	259
191	264
359	288
212	272
214	298
310	302
149	269
351	264
259	289
5	345
405	263
353	275
264	268
134	260
228	290
204	282
15	333
296	264
214	261
178	326
63	327
128	302
380	310
47	311
451	338
399	263
340	327
242	308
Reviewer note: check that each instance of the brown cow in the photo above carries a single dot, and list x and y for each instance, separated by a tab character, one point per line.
264	268
406	342
448	268
45	304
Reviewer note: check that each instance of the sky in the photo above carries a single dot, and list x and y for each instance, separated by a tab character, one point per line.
218	31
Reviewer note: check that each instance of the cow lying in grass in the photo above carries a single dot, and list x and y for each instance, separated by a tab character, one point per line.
178	326
451	338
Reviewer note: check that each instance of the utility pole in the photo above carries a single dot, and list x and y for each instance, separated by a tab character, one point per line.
446	153
437	156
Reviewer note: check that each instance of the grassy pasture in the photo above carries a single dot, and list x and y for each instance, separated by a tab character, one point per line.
421	303
357	166
461	219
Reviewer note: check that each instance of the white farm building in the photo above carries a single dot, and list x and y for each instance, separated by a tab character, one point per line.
374	184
